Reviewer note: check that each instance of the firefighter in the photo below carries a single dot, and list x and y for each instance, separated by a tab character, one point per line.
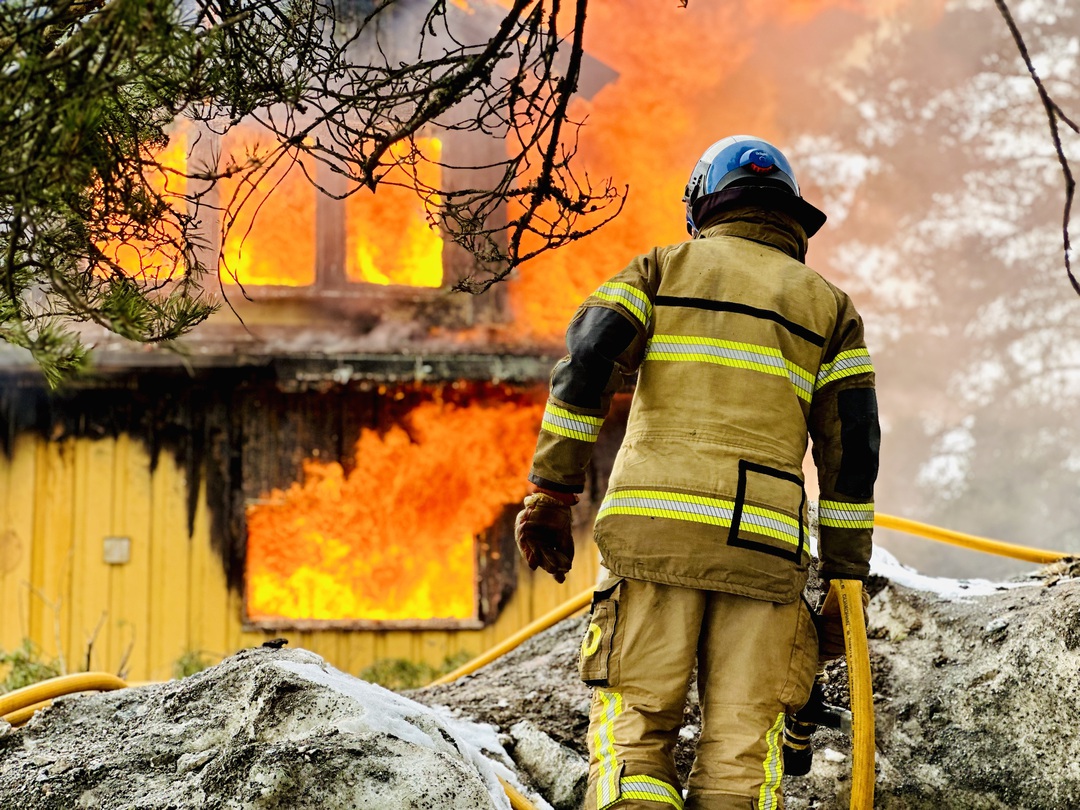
742	353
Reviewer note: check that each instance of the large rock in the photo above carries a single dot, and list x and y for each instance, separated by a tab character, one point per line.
975	697
265	729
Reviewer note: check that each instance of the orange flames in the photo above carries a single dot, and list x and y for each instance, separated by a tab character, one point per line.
707	75
150	260
272	238
388	239
393	538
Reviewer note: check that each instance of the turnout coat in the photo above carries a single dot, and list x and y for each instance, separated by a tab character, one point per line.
742	354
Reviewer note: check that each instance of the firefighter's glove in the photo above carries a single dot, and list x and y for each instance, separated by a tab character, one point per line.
830	626
542	532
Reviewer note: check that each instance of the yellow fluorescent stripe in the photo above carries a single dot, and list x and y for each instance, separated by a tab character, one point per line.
768	798
722	344
841	515
845	364
845	372
607	789
799	371
649	789
849	507
592	420
615	504
660	348
568	432
769	513
660	354
673	496
632	291
630	297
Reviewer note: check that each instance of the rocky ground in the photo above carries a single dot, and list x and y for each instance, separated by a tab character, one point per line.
975	686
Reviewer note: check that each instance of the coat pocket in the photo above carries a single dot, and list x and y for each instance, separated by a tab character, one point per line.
595	661
804	658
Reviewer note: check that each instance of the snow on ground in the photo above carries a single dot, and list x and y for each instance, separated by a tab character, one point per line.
886	565
390	713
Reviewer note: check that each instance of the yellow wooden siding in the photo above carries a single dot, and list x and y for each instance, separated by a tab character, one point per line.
62	499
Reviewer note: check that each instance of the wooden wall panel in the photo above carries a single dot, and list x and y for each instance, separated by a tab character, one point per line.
64	498
52	554
19	480
169	555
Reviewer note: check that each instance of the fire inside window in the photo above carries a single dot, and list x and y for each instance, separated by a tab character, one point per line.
407	531
382	238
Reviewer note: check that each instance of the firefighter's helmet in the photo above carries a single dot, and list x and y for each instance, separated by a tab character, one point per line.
743	161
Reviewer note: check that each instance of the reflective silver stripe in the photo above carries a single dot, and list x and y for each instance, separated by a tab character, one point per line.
576	426
846	515
766	359
769	796
649	789
630	297
607	788
700	509
845	364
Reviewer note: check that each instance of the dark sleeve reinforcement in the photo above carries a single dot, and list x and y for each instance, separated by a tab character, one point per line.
605	341
860	442
595	341
843	425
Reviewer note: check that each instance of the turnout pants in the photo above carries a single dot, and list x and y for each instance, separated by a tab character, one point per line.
756	662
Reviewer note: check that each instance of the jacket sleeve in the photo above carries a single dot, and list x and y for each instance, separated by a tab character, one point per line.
846	438
605	342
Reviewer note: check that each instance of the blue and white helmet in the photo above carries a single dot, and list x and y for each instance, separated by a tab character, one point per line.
743	160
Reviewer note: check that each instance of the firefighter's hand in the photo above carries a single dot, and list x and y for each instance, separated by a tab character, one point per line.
830	626
543	535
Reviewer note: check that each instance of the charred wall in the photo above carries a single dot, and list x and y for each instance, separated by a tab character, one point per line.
246	432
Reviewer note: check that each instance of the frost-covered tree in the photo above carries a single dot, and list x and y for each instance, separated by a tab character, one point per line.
947	191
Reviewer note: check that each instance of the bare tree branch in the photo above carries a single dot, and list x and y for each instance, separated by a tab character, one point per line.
89	90
1054	115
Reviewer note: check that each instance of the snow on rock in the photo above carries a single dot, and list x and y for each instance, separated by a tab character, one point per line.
264	729
558	771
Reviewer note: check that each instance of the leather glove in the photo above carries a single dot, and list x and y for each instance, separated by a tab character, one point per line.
543	535
830	626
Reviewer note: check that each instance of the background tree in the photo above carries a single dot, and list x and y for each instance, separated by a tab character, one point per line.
90	88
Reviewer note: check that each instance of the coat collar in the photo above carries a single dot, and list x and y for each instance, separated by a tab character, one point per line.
770	228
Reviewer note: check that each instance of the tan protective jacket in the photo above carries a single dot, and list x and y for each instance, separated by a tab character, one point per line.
741	353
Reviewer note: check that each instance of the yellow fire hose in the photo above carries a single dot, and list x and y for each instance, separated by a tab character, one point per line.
19	706
970	541
849	594
517	800
568	608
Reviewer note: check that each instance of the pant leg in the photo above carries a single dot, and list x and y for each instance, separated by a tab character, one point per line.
757	663
637	710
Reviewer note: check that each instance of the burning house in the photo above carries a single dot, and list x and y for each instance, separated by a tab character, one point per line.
335	457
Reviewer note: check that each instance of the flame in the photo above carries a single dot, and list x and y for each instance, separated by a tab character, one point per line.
272	238
392	538
703	79
388	238
148	259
